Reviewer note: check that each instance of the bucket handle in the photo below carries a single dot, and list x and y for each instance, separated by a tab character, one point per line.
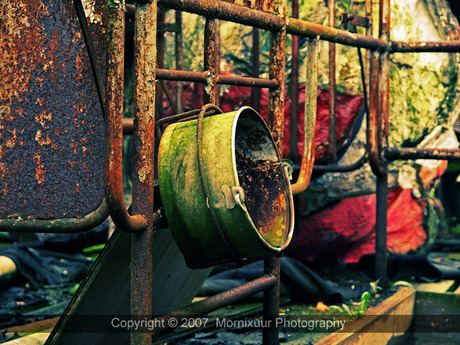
287	173
215	222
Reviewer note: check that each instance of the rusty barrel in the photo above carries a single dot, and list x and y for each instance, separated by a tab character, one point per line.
225	191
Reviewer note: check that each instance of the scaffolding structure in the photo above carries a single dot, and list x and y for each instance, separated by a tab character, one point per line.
270	15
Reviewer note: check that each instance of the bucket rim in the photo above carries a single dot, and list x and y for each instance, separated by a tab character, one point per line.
287	189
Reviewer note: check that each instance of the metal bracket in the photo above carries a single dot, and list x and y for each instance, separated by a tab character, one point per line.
353	19
233	196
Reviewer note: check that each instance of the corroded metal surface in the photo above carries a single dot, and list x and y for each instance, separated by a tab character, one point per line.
277	71
227	11
294	88
210	60
142	264
263	5
415	153
332	149
51	125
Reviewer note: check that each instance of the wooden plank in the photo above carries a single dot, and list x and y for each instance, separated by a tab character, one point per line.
457	291
105	290
376	327
440	287
32	339
436	312
31	328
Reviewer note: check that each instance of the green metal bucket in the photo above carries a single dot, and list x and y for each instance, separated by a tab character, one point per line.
225	192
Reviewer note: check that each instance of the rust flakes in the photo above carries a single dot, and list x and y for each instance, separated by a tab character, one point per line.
43	116
12	141
40	169
93	16
42	141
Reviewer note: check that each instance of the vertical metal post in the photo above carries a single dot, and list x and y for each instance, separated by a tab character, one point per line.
294	123
382	130
179	61
369	31
210	60
143	163
160	61
278	72
271	302
332	152
276	124
255	91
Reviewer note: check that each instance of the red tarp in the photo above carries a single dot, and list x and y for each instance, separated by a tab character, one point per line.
346	230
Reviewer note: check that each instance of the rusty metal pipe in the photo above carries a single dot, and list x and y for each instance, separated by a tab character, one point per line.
426	47
178	45
381	230
415	153
255	92
145	60
382	133
311	94
332	139
220	300
231	79
277	71
341	168
210	60
176	75
226	11
113	122
263	20
270	335
57	225
304	28
294	123
372	117
128	126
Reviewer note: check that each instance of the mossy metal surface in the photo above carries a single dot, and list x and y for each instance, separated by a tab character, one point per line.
187	208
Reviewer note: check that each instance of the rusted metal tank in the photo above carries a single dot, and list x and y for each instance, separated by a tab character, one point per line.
225	191
51	122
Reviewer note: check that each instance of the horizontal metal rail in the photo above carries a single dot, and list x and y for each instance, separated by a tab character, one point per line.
246	81
175	75
227	79
226	11
416	153
341	168
268	21
223	299
57	225
426	47
309	29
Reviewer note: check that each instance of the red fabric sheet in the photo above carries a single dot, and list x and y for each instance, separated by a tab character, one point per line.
346	230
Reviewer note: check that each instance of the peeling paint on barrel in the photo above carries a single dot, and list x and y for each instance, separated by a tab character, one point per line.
51	124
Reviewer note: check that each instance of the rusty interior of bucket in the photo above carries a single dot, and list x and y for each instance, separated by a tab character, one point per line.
260	174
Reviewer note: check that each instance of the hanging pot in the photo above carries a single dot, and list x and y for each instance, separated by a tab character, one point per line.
225	192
